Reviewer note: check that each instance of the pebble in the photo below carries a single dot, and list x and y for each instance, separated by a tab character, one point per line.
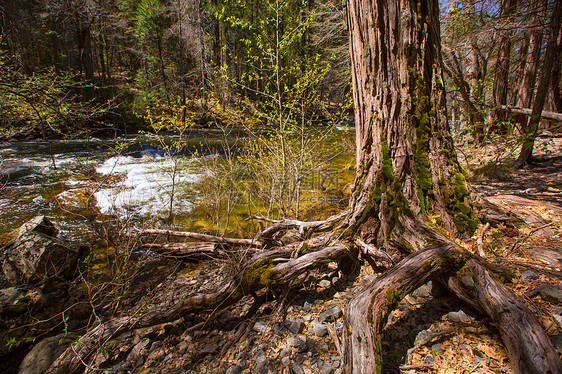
295	326
324	283
317	328
529	275
459	316
261	327
285	361
296	369
234	369
296	343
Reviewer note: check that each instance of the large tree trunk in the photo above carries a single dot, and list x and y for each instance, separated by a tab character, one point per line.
406	165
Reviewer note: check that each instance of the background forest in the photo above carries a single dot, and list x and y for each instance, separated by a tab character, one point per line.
103	65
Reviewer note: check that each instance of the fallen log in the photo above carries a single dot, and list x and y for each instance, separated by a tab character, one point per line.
184	250
204	237
525	111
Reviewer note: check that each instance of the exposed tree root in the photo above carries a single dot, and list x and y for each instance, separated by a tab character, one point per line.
529	348
267	270
276	270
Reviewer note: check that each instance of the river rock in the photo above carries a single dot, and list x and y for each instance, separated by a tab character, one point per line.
34	253
44	353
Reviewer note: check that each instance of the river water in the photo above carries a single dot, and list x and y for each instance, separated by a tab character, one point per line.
68	181
77	182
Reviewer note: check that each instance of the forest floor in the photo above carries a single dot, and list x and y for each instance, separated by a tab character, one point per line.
429	332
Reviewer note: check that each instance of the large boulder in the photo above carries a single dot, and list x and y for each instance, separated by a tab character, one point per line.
33	253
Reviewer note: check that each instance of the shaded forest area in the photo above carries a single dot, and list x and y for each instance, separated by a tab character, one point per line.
424	271
104	65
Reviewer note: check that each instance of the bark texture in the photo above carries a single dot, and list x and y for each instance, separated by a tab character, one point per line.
406	164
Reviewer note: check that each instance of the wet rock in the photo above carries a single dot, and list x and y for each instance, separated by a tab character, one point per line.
33	253
44	353
529	275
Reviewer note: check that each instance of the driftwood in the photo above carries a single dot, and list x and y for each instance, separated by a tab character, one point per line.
525	111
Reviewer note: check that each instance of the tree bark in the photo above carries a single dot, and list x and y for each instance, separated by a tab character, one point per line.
501	78
406	165
531	127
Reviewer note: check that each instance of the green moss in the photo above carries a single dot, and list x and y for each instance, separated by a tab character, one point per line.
18	308
460	188
260	275
387	169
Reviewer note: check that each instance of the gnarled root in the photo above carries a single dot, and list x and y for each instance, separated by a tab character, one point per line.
267	270
529	348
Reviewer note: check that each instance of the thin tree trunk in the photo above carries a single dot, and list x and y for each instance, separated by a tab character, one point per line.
501	77
531	127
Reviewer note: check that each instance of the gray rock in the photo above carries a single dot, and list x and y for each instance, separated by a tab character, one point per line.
279	328
295	326
437	347
286	361
296	369
261	365
324	283
550	292
261	327
424	291
210	349
44	353
330	315
429	359
529	275
317	328
307	305
557	342
459	316
234	369
296	343
243	355
291	236
33	253
326	368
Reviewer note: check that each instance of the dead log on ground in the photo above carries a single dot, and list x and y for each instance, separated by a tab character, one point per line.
204	237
